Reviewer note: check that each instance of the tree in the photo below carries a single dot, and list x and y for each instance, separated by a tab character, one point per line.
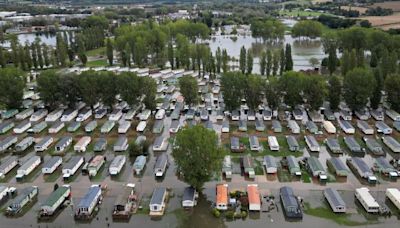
249	62
332	60
197	155
189	89
345	62
282	61
307	28
334	92
275	63
81	49
149	91
2	58
22	57
28	57
314	62
129	87
377	95
14	50
288	58
61	50
108	88
242	60
269	63
46	57
171	55
232	87
89	87
392	84
12	83
263	63
110	54
225	59
358	87
39	52
272	93
292	83
253	91
314	91
218	58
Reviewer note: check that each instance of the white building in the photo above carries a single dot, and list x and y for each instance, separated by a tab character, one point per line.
367	200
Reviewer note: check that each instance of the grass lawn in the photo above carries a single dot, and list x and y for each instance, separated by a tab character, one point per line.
96	52
97	63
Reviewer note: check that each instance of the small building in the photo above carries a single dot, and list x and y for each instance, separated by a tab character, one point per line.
294	127
130	114
115	115
100	145
267	114
55	201
69	115
346	115
91	126
373	145
242	125
333	145
270	164
56	127
189	198
44	144
292	143
392	143
73	126
312	143
260	125
273	143
352	144
365	127
51	165
144	115
88	203
248	166
6	143
378	114
95	165
254	197
158	201
221	202
316	116
121	144
293	165
63	144
251	115
382	127
276	126
107	126
22	127
236	146
227	167
4	191
383	166
311	127
74	163
84	114
329	127
361	169
396	125
297	114
6	126
335	200
26	196
54	115
27	167
100	113
116	165
124	126
254	143
235	116
346	126
316	169
24	114
290	204
175	126
395	116
139	164
38	115
329	115
337	167
204	114
160	144
37	128
161	165
158	126
225	126
10	113
141	126
367	200
393	194
362	114
7	165
82	144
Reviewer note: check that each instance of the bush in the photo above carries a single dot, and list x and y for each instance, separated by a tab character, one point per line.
244	214
216	213
135	149
230	214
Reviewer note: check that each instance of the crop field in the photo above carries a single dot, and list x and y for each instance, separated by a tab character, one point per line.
385	22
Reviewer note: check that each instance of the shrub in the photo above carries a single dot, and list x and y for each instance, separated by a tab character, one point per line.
216	213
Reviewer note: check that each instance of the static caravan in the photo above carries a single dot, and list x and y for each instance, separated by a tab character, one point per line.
130	114
225	126
221	202
115	115
145	114
38	115
190	114
259	125
83	115
91	126
116	165
158	126
44	144
290	203
335	200
312	143
392	143
82	144
365	127
254	143
293	166
382	127
107	126
22	127
316	116
251	115
88	203
160	114
329	127
273	143
175	126
7	165
267	114
28	167
189	199
393	194
95	164
4	191
294	127
373	145
297	114
54	115
276	126
160	144
329	115
161	165
346	126
333	145
69	115
378	114
236	146
141	126
51	165
124	127
227	167
352	144
121	144
242	125
271	166
311	127
6	126
24	114
139	164
395	116
346	115
367	200
10	113
6	143
176	114
292	143
235	116
63	144
396	125
72	166
248	166
158	201
37	128
204	114
100	145
73	126
24	144
361	169
26	196
55	201
100	113
254	197
383	166
56	127
363	114
337	167
316	169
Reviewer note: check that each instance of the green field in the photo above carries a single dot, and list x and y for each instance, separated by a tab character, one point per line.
299	13
96	52
97	63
